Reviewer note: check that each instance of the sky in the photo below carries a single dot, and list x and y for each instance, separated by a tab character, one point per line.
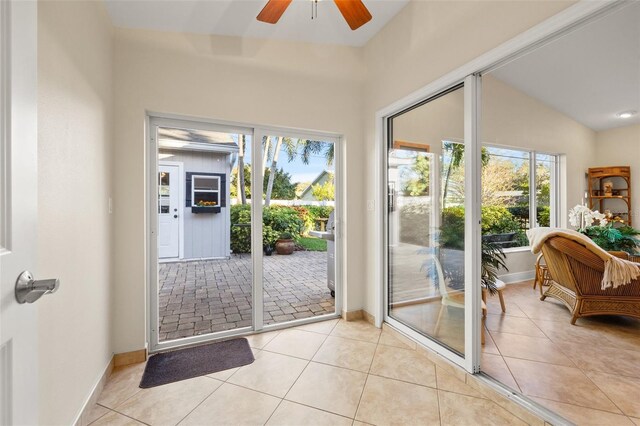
299	171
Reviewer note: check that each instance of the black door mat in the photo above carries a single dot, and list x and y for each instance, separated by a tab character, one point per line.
182	364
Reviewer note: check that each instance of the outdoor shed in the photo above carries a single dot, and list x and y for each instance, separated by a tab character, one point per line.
194	210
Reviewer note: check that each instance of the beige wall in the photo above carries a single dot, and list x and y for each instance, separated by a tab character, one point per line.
247	80
426	40
621	147
74	161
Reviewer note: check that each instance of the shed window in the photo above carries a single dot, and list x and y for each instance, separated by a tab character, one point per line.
205	191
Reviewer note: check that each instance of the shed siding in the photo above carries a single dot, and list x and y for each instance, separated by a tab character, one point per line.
205	235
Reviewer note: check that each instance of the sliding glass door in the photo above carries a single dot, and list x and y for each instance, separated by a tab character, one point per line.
300	218
244	230
431	203
203	266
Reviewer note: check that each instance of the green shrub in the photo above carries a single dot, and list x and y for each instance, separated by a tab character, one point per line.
276	220
498	220
305	216
283	219
452	230
495	220
318	212
240	235
269	236
544	216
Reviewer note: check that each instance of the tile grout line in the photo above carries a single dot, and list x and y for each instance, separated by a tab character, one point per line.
503	356
99	417
200	403
128	416
297	378
605	394
504	361
366	379
567	356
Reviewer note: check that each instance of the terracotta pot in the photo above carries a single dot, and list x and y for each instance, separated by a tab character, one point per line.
285	246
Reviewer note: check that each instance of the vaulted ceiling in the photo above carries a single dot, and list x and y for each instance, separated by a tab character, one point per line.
592	74
238	18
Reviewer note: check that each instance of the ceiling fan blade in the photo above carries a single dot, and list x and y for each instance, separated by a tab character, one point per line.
354	11
273	10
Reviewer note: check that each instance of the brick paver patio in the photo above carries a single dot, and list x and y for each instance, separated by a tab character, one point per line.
199	297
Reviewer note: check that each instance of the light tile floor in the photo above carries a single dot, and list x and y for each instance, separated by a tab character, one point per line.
588	373
329	373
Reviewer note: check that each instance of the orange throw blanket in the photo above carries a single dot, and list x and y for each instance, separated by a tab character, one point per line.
617	272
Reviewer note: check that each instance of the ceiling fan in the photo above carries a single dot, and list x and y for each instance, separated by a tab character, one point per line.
354	11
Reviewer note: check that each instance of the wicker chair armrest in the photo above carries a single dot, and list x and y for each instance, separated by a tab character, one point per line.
621	254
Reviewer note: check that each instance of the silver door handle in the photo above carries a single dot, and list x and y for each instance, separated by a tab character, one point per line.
29	290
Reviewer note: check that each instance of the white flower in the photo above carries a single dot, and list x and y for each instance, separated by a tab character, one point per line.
582	217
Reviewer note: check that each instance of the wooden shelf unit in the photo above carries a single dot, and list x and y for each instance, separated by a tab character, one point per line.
620	176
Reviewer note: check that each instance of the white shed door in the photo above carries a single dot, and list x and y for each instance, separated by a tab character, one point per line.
18	211
169	212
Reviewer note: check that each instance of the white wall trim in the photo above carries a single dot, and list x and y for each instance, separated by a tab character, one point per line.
94	394
518	277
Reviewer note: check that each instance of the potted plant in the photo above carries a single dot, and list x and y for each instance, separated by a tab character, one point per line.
493	260
285	244
269	238
599	227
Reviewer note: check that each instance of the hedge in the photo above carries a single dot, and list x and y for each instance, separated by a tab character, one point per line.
276	220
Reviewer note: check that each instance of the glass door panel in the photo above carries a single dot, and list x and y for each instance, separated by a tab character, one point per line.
298	228
426	219
204	275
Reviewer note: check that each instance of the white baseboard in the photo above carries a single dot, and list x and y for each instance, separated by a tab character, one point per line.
92	398
517	277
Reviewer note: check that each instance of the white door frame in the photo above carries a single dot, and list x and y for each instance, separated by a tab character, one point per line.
471	360
181	198
554	27
156	119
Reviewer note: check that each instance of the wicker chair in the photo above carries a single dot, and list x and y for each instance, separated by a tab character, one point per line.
576	274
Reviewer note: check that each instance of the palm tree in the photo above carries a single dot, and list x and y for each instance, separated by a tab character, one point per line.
274	167
305	148
242	195
266	151
457	155
294	147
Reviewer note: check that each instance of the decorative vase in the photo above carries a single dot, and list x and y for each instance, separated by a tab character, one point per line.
268	250
285	246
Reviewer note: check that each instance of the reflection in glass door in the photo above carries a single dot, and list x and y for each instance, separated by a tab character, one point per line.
426	219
